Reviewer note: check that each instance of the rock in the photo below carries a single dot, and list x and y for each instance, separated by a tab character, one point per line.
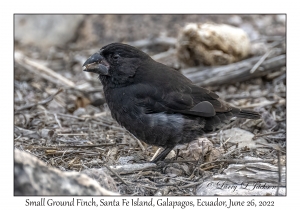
242	138
196	149
79	112
173	172
215	154
102	178
33	177
44	31
212	44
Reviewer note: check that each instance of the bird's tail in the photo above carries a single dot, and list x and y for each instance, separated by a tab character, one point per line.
249	114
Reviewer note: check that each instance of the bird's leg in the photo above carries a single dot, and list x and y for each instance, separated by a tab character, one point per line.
177	153
162	155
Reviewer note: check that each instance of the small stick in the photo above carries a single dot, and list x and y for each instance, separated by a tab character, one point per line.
267	134
217	161
151	188
54	152
192	184
109	126
156	153
209	167
139	143
164	185
22	59
70	116
77	146
163	54
57	120
262	104
227	140
159	40
275	147
236	72
261	60
115	173
72	134
18	137
132	168
238	161
45	101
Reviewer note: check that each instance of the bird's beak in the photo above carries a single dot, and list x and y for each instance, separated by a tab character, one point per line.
96	63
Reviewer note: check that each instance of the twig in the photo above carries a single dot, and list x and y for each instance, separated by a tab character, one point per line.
226	141
260	61
132	168
168	184
229	125
146	186
192	184
140	144
43	102
18	137
71	163
24	61
57	120
156	153
115	173
158	56
109	126
155	41
180	161
55	152
262	104
77	146
242	96
209	167
232	73
33	71
26	133
229	152
238	161
267	134
275	147
278	79
70	116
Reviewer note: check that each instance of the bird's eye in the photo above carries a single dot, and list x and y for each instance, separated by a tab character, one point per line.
116	57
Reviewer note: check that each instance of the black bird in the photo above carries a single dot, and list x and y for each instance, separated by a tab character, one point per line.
156	103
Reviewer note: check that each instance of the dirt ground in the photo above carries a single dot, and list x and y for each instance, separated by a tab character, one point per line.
61	117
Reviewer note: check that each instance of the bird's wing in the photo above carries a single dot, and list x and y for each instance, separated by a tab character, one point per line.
195	100
185	99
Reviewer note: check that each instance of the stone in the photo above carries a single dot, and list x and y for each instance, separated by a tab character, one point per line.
33	177
45	31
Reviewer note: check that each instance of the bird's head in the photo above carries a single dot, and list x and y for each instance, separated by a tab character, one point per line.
116	62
